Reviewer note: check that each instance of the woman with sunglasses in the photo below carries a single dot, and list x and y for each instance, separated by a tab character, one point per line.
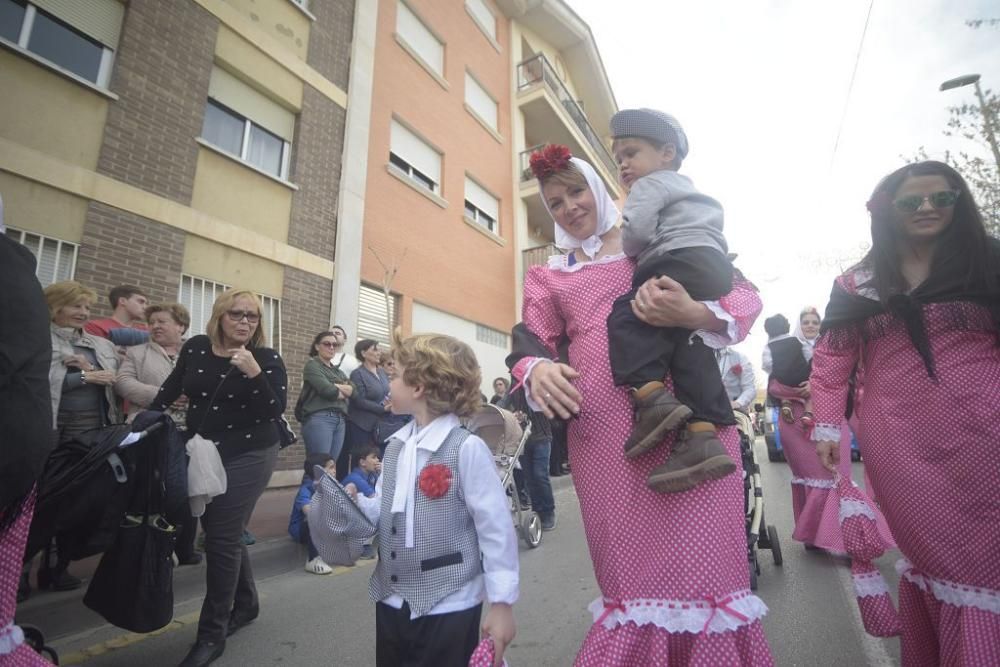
917	323
325	390
236	390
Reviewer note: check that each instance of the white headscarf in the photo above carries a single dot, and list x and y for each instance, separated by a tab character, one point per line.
607	214
808	344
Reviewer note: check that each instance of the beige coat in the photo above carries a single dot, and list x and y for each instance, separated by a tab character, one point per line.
63	340
141	374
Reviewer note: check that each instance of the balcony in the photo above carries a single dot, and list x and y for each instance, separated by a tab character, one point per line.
524	162
537	256
537	71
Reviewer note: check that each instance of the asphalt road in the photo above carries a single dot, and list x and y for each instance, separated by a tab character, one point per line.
312	620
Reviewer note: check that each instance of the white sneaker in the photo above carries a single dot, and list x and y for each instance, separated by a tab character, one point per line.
317	566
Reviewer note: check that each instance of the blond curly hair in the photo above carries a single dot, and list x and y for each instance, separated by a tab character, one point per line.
447	369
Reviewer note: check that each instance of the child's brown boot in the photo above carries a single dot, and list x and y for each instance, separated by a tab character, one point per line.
697	456
657	412
786	412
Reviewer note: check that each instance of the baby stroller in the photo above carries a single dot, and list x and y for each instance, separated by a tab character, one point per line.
759	534
505	437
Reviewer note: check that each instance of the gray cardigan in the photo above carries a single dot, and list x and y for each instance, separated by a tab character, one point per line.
366	402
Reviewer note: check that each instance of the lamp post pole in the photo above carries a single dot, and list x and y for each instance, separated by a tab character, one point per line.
973	79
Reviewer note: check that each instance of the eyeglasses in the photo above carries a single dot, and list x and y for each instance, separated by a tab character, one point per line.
328	343
239	315
911	203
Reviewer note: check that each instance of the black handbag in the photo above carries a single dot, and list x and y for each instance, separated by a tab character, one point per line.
133	585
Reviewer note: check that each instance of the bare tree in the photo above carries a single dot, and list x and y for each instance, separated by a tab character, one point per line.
388	275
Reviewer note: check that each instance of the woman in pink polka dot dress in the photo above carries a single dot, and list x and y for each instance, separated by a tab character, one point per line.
918	318
672	568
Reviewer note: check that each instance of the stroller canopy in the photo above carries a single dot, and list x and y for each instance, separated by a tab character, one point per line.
498	428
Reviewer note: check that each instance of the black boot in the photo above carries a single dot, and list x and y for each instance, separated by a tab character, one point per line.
203	653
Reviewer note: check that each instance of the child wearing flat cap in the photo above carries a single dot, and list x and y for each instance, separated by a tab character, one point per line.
672	230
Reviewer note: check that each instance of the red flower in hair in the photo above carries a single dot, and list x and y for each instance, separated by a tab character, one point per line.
551	159
737	369
435	480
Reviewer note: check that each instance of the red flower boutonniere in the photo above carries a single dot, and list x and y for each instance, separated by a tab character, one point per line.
737	369
435	480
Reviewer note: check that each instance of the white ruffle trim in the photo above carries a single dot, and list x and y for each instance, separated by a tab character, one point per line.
717	340
11	636
813	482
683	615
532	403
829	432
561	262
850	507
949	592
870	584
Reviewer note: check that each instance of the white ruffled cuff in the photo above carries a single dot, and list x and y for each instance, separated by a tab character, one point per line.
950	592
870	584
11	636
683	615
850	507
830	432
532	403
715	339
813	482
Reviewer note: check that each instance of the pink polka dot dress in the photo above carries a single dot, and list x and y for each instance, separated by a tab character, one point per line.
13	651
931	453
672	568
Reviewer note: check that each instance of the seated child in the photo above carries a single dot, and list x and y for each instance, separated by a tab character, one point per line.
787	360
672	230
446	541
298	526
364	477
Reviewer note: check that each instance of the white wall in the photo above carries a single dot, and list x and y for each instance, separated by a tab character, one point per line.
431	320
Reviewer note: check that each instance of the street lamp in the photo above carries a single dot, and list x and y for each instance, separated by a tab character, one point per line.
973	79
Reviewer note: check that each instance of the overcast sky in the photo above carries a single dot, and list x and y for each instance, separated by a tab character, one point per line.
760	88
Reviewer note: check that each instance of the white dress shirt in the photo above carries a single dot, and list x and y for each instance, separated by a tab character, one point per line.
484	498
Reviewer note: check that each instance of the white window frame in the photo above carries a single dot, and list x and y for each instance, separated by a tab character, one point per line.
472	84
399	161
63	248
200	316
28	24
491	34
371	314
491	336
478	215
412	45
244	154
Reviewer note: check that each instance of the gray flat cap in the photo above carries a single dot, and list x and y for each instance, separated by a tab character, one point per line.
650	124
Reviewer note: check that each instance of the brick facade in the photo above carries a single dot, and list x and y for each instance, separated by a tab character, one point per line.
305	311
330	39
120	247
162	69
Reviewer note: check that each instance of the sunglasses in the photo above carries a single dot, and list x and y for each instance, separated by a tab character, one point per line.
239	315
911	203
328	343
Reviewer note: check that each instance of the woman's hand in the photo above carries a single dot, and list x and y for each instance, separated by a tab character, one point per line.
663	302
243	359
829	454
551	388
77	361
345	389
803	390
103	378
499	624
180	404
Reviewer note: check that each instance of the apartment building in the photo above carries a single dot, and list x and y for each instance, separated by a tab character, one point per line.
187	146
463	90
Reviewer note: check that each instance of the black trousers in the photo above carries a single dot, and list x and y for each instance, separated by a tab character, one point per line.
439	640
642	353
229	577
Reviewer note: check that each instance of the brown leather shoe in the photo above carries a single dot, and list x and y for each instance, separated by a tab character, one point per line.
657	412
697	456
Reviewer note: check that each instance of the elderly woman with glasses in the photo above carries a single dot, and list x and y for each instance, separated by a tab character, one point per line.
236	390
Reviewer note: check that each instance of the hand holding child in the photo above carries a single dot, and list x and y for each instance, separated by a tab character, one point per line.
499	624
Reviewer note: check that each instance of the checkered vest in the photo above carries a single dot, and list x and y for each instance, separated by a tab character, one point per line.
445	555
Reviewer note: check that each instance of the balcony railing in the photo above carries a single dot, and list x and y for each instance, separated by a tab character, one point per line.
524	162
537	69
538	256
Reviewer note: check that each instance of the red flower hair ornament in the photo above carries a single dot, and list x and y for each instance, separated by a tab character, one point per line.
550	160
435	480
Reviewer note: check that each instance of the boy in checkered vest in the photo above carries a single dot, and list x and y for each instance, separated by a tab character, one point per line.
675	234
446	540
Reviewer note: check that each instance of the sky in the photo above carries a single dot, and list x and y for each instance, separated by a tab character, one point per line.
761	88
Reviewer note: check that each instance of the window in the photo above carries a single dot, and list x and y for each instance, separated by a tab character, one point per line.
490	336
56	260
481	207
409	154
248	125
481	102
198	295
75	37
376	318
483	17
420	40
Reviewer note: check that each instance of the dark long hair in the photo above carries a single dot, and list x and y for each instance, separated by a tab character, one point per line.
316	341
963	243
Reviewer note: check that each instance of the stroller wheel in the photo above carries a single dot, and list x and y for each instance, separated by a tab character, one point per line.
772	537
531	529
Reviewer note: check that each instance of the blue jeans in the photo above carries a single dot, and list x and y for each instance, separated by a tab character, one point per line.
535	462
323	433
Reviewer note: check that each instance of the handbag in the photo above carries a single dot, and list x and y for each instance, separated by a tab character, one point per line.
337	526
133	586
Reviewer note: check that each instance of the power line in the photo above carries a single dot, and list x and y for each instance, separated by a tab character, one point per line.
850	86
